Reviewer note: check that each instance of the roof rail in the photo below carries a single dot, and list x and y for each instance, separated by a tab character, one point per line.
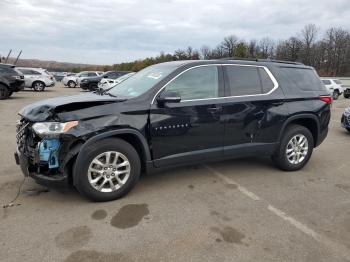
261	60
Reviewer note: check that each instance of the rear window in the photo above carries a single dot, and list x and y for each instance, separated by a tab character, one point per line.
303	78
326	82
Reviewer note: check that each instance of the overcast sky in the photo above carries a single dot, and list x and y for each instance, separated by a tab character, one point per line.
112	31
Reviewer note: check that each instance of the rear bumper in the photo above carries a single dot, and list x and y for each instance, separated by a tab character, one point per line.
50	84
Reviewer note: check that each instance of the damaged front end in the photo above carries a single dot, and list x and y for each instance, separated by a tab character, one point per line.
42	151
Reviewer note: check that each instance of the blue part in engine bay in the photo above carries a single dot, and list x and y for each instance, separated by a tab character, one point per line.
48	151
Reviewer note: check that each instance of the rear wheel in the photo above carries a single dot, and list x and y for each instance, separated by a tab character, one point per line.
336	94
346	95
71	84
109	170
38	86
295	148
4	92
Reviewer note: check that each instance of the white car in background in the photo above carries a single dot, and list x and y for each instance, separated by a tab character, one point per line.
73	80
107	83
36	78
334	87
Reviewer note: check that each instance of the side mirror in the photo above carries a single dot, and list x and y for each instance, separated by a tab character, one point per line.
169	97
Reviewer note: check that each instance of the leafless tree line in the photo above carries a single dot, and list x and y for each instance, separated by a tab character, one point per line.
329	53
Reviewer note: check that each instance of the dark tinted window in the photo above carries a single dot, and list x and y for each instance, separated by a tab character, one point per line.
243	80
302	78
326	82
24	71
91	74
197	83
33	72
6	70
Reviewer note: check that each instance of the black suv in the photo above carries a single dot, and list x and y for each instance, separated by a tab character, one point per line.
10	81
91	83
170	114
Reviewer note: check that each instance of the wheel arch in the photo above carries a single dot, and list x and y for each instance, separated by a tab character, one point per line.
35	81
309	121
133	137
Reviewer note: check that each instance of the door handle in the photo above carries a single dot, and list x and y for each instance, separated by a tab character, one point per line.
214	109
277	103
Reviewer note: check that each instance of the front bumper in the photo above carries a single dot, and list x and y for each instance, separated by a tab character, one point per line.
39	159
53	181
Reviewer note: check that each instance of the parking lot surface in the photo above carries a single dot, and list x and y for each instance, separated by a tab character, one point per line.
236	210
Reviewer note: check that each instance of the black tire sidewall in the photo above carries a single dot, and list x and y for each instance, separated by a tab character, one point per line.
81	177
336	95
69	82
281	158
6	92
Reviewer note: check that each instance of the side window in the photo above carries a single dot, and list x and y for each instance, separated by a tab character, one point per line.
25	71
266	82
326	82
33	72
91	74
243	80
197	83
83	75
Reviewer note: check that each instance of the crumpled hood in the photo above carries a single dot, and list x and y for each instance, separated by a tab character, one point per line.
49	109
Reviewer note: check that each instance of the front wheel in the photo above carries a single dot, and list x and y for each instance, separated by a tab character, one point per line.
295	148
108	170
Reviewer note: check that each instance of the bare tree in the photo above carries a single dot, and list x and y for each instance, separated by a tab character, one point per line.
308	36
266	47
228	45
205	52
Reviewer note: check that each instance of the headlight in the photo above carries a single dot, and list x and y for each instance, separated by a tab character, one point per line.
52	128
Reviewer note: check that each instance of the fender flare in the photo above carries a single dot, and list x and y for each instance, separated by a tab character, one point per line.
300	116
107	134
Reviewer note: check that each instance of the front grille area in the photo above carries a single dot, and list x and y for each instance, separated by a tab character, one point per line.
27	141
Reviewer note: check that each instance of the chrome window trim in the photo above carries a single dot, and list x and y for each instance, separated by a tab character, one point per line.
273	79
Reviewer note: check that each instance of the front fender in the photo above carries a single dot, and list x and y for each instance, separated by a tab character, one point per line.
107	134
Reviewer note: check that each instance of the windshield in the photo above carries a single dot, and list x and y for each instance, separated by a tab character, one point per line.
142	81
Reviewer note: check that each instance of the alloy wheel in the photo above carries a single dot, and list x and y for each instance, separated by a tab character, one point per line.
297	149
109	171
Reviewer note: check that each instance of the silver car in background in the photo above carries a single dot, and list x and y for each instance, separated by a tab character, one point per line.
107	83
74	79
36	78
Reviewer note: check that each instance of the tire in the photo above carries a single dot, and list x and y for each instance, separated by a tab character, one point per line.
346	96
4	92
281	156
348	129
87	181
92	87
38	86
71	84
10	93
336	95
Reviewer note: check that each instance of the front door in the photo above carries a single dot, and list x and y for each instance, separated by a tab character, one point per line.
190	130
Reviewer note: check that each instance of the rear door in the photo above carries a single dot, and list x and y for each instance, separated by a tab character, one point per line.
192	129
254	110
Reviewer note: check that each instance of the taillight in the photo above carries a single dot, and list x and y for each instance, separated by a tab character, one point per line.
327	99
